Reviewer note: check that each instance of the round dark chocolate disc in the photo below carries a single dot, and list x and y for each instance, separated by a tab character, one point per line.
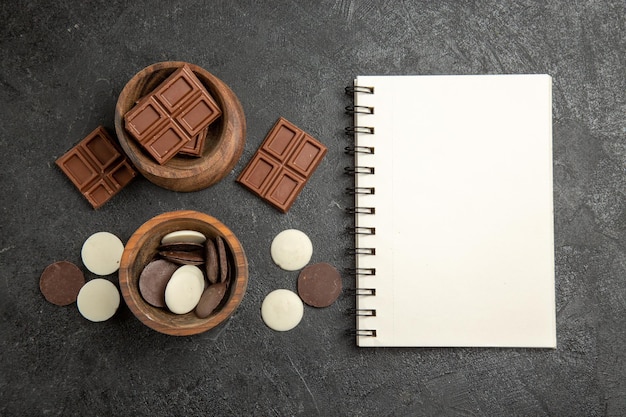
60	283
319	284
153	281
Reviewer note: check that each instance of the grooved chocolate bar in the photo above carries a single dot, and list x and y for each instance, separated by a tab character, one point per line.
282	165
97	167
173	117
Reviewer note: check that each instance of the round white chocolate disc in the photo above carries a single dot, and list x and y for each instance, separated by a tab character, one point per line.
282	310
102	253
183	236
184	289
98	300
291	249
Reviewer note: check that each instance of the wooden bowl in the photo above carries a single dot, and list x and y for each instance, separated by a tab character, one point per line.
141	249
224	143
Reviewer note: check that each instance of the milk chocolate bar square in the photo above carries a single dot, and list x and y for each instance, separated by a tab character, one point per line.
282	165
97	167
171	117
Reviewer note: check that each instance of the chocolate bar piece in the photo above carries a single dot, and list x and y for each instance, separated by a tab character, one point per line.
173	116
97	167
195	146
282	165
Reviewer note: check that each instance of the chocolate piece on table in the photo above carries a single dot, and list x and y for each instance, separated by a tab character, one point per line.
211	298
282	165
60	283
212	262
153	281
319	285
97	167
172	115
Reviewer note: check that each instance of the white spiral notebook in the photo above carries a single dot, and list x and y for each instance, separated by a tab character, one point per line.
454	211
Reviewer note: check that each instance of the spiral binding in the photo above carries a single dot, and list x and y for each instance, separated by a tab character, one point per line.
351	89
351	150
358	170
360	210
352	130
361	230
362	332
362	271
361	251
360	190
359	109
365	312
361	292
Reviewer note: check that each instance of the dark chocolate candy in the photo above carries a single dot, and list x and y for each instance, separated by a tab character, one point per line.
171	117
183	257
212	262
97	167
153	280
223	258
60	283
211	298
282	165
181	246
319	284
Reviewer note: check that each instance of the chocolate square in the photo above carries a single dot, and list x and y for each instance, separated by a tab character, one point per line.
197	115
166	143
145	118
284	190
282	165
97	167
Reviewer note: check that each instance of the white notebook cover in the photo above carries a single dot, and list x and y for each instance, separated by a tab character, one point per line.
464	234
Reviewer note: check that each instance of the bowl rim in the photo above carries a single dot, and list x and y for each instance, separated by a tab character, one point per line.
141	309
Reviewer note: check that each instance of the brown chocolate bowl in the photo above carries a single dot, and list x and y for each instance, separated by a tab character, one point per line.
141	249
224	143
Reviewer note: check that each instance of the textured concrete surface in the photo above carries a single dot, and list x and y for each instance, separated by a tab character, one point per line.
62	66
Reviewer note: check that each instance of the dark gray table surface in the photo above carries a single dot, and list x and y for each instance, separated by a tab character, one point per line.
62	66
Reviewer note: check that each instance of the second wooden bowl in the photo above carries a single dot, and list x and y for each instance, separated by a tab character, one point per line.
141	249
224	143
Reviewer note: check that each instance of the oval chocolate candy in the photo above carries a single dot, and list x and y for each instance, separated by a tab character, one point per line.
223	258
212	262
181	246
211	298
183	258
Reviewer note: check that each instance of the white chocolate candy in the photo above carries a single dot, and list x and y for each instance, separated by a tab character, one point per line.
102	253
184	289
190	236
291	249
282	310
98	300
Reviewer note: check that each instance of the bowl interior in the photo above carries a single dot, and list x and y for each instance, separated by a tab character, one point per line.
141	250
